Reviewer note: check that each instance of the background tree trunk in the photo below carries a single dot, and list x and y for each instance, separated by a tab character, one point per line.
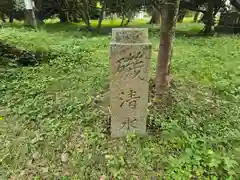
3	17
30	18
101	16
210	19
63	17
181	15
129	17
169	17
86	16
196	17
155	19
123	18
10	18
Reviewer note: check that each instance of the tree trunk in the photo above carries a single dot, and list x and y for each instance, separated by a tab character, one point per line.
181	15
101	16
196	17
75	18
86	20
88	23
129	17
83	12
11	18
155	19
167	32
3	17
63	17
210	21
30	18
87	16
123	18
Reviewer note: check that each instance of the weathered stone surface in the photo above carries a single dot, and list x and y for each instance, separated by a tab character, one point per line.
130	58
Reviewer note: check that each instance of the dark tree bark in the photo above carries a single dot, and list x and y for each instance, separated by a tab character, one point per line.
63	17
155	19
30	18
86	19
196	17
129	17
83	12
86	16
181	16
3	17
167	32
75	18
101	16
123	18
11	18
210	18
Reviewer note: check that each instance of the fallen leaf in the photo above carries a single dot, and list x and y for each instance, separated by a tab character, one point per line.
44	169
36	155
64	157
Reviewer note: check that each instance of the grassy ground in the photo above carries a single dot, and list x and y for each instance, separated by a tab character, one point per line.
51	130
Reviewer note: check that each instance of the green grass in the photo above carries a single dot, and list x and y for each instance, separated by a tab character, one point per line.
49	112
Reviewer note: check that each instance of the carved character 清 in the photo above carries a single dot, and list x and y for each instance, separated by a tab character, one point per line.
131	99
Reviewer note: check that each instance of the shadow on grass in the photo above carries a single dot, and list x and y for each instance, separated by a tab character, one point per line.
77	29
80	29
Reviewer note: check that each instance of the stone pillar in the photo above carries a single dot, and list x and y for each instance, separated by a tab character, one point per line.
130	58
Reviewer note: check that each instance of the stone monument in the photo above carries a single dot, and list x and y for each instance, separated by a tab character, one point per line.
130	60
